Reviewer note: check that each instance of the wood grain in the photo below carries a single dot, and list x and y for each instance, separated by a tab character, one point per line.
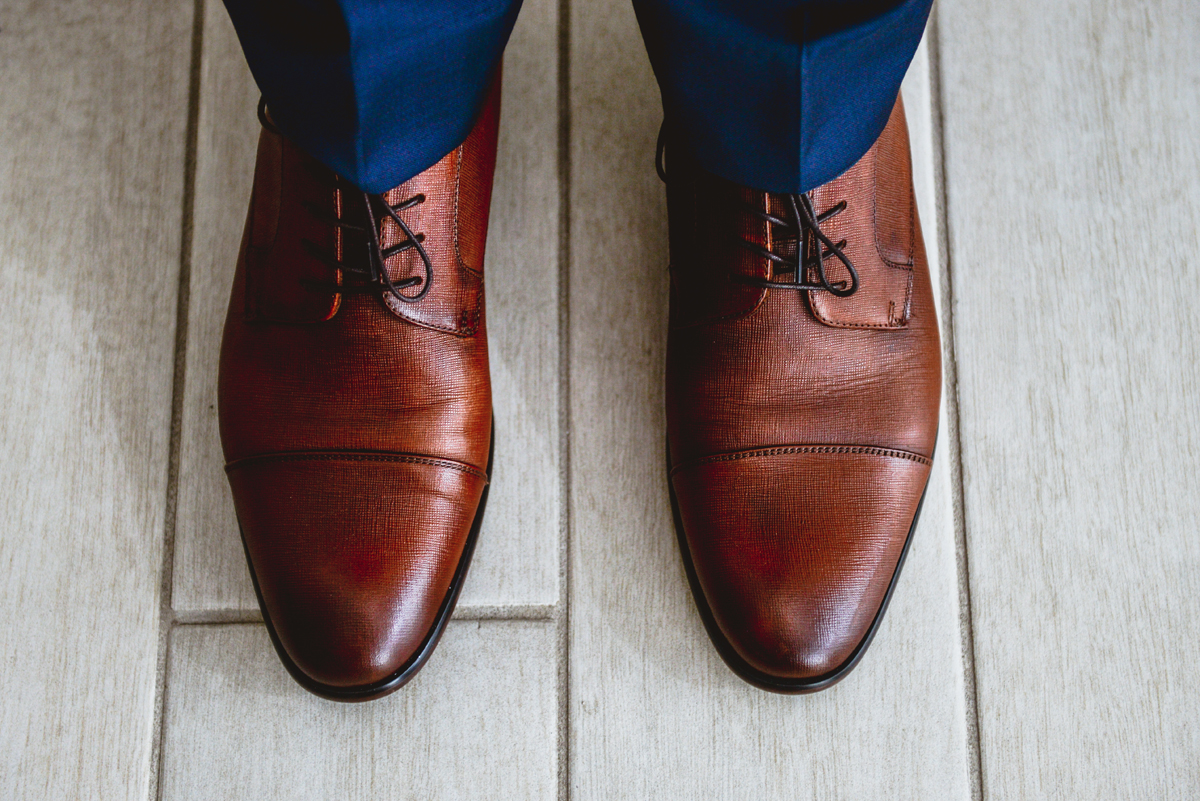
477	723
1072	166
654	712
516	562
92	137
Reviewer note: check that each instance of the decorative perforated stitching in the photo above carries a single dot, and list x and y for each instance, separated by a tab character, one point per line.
785	450
337	456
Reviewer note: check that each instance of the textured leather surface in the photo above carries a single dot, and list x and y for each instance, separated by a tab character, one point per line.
356	427
801	425
352	591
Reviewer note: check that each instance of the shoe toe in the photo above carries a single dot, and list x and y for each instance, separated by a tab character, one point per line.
353	556
795	548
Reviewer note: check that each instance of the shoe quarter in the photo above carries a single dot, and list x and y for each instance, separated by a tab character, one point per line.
286	282
707	260
878	227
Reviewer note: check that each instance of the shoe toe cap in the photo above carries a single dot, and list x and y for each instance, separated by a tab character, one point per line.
795	548
353	555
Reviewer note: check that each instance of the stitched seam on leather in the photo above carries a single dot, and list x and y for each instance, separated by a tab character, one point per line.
785	450
875	213
447	329
464	330
339	247
458	152
457	330
350	456
912	250
815	309
908	268
458	259
461	331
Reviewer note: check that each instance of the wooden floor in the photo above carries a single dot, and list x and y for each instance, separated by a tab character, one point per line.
1043	643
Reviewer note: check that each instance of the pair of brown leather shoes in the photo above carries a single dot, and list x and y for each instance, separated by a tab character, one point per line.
803	382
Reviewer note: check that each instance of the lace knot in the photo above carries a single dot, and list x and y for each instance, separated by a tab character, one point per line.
376	211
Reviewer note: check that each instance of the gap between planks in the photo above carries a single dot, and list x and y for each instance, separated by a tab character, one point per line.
183	297
563	617
534	612
954	435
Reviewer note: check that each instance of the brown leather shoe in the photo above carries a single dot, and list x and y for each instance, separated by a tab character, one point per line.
356	410
802	408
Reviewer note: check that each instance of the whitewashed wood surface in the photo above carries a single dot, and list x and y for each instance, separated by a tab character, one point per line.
93	116
517	560
478	723
1073	188
654	711
1042	641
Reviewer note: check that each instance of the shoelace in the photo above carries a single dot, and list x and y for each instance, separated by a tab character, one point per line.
804	220
374	274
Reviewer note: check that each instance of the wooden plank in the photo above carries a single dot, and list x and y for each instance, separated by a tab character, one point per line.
1072	164
478	723
654	712
92	139
516	562
210	568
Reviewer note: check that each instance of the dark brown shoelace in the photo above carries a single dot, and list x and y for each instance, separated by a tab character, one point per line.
373	275
804	222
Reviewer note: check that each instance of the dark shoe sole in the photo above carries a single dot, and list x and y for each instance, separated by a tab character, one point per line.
733	659
369	692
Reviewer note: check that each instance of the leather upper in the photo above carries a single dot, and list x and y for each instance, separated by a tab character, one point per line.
357	426
801	425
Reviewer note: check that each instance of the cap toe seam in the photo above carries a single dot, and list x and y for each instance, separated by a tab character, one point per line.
785	450
355	456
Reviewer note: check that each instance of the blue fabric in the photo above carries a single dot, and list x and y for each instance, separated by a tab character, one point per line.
781	95
378	90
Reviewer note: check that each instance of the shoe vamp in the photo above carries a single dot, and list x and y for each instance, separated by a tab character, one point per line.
777	376
363	380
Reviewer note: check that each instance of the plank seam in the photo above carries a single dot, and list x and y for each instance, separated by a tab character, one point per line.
564	399
481	612
166	618
954	434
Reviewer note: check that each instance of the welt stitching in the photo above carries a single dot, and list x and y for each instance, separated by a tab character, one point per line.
793	449
356	457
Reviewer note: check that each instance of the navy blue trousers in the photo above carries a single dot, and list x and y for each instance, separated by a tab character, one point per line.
780	95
